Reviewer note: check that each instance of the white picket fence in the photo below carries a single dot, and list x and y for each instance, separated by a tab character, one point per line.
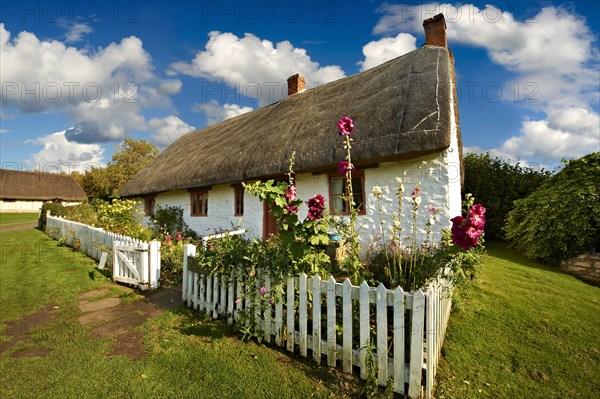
93	241
409	326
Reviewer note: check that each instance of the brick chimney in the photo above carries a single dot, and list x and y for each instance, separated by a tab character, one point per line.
295	84
435	31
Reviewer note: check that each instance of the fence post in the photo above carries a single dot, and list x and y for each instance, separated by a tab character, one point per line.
154	258
189	250
416	345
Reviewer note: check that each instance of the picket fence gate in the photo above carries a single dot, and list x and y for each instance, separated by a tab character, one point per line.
417	322
127	253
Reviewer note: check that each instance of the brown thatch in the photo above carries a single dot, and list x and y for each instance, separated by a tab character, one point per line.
39	186
401	109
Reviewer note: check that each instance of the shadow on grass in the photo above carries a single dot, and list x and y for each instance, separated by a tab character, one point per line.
503	251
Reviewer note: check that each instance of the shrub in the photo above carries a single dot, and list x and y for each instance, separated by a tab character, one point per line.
497	184
168	220
55	208
122	216
561	219
82	213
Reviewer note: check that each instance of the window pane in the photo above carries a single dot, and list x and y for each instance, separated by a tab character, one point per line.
337	185
337	204
357	185
358	200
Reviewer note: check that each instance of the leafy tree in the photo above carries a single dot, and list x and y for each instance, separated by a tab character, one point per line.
561	219
129	158
497	184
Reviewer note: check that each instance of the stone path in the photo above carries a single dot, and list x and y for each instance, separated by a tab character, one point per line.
111	318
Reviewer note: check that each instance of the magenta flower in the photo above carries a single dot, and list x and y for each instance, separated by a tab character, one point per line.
168	238
344	166
272	301
316	205
477	216
290	193
345	126
263	290
237	301
416	192
432	210
291	208
178	236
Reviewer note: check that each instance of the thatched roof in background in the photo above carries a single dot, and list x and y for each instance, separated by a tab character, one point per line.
19	185
401	109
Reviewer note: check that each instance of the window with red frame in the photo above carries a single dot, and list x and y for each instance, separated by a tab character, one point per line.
337	190
199	203
149	203
239	200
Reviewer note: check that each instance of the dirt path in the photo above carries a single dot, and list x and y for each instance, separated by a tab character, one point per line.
111	318
17	226
107	316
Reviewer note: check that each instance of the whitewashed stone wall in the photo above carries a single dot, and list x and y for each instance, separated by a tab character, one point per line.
25	206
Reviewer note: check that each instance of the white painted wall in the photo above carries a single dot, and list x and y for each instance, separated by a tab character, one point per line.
25	206
438	176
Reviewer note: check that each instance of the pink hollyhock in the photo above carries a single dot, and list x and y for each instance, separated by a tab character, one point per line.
178	236
416	192
291	208
344	166
168	238
272	301
263	290
290	193
316	205
477	216
345	126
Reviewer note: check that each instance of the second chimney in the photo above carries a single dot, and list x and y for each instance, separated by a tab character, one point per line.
435	31
295	84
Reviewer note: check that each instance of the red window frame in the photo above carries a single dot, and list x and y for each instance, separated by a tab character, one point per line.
238	203
359	197
149	203
199	203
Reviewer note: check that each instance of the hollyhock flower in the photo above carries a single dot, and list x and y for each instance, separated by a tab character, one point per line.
263	290
178	236
290	193
477	216
344	166
316	205
432	210
272	301
237	301
291	208
345	126
416	192
417	200
377	192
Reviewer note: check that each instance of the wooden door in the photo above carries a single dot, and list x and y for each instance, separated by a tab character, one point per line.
269	222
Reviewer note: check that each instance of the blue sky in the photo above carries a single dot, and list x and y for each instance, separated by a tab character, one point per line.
79	77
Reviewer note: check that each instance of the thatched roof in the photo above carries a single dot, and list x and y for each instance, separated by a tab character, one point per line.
39	186
401	109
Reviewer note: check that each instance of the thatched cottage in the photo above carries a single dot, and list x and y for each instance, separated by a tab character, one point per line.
406	117
23	191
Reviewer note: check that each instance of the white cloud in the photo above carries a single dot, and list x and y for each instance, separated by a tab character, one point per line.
216	112
77	31
103	91
552	53
168	129
4	131
382	50
61	154
250	62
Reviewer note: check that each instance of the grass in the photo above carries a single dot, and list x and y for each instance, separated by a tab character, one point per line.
187	356
6	218
524	330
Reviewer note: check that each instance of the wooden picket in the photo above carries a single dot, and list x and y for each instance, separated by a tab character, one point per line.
424	313
93	241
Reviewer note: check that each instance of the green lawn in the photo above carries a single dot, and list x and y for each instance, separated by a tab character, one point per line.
523	331
188	357
6	218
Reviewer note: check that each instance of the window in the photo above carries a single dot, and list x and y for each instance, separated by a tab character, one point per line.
199	203
337	190
149	203
239	200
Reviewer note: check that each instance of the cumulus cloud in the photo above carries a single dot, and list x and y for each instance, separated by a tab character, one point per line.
379	51
167	130
552	51
77	31
249	61
216	112
61	154
4	131
103	91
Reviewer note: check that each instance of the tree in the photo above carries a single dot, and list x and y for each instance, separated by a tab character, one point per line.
496	184
561	219
129	158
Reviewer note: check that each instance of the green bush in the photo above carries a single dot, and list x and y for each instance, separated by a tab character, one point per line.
168	220
55	208
561	219
497	184
82	213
